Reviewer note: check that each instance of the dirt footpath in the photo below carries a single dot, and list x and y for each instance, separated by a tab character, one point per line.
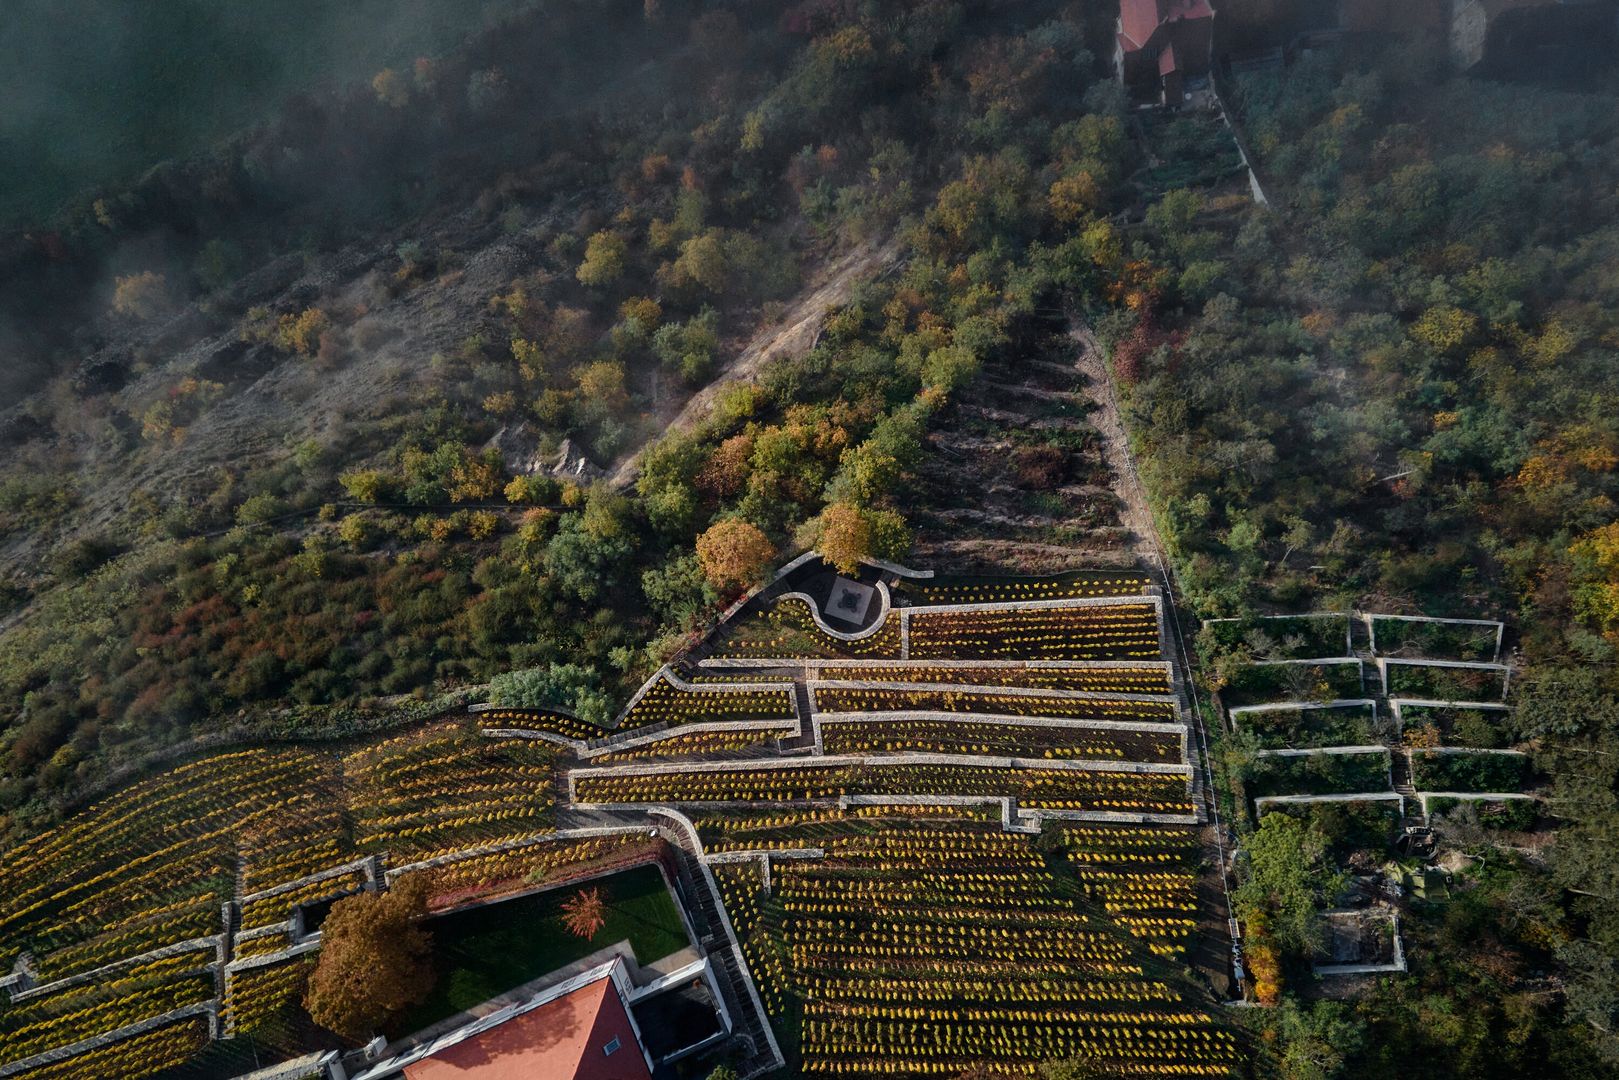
792	335
1134	512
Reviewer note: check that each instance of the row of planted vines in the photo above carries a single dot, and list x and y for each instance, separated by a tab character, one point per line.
148	867
664	702
417	790
1051	788
539	720
693	744
1090	632
1105	680
969	590
898	698
788	630
115	889
987	738
88	1010
143	1054
936	947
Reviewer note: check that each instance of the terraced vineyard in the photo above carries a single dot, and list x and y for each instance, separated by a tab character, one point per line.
966	837
936	944
981	851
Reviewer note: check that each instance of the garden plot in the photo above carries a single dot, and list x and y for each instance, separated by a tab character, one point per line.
936	946
1107	631
1459	770
1003	737
1480	725
1291	681
967	589
1139	789
942	697
667	699
1339	770
1098	678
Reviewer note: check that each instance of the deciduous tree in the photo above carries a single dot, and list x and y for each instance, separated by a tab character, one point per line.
585	913
375	960
734	554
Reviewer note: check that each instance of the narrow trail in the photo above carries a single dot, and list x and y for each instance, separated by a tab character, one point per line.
792	335
1135	513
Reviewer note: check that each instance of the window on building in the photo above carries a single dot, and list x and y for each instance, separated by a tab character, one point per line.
612	1046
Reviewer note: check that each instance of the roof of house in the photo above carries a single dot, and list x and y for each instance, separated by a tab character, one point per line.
1139	18
1166	60
582	1035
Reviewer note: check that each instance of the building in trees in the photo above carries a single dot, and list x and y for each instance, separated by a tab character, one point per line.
1161	48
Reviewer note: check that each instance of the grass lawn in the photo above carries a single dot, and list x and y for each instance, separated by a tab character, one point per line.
488	950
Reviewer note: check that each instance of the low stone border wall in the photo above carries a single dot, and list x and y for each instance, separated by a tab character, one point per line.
62	1053
212	942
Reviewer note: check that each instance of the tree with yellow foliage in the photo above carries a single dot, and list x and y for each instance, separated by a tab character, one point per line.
734	554
845	537
1596	568
605	253
143	296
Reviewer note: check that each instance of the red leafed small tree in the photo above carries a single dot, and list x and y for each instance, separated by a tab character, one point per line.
585	914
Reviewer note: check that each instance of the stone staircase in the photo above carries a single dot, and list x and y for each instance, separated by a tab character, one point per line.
1400	767
704	908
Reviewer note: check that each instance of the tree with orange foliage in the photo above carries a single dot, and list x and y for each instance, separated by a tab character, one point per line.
375	960
734	554
1264	962
585	914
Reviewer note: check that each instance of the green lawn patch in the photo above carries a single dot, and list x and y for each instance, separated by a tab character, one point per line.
486	951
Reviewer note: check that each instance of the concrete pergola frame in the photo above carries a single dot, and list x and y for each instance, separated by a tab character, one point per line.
1395	965
1346	616
1371	620
1307	706
1385	662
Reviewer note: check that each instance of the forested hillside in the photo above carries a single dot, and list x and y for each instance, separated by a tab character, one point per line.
1396	391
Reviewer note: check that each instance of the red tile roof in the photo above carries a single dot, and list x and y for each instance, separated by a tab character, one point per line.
565	1039
1166	60
1139	18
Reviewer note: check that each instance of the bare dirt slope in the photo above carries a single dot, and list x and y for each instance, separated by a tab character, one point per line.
1027	473
1135	515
